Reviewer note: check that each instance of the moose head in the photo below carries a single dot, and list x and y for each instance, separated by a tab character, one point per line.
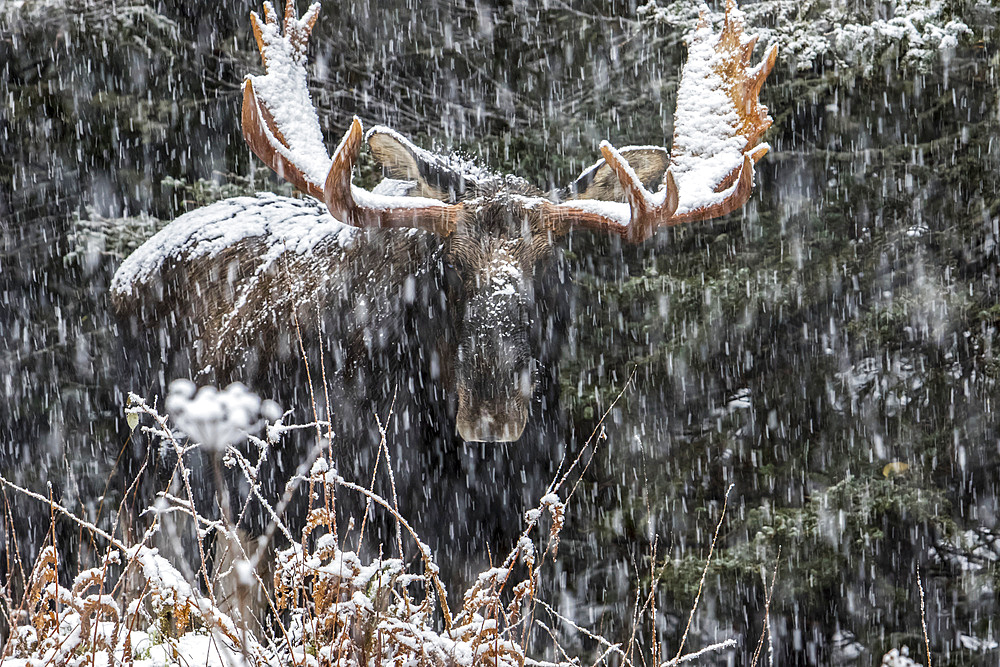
495	231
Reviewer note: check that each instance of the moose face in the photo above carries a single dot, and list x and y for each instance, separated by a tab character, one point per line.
499	239
494	251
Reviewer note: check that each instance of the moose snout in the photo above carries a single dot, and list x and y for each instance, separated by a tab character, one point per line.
494	409
491	420
495	388
495	378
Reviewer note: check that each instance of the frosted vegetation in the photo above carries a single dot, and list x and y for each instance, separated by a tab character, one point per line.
821	32
325	606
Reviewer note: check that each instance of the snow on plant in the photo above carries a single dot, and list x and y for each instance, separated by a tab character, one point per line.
847	34
58	623
899	658
218	419
329	606
96	236
85	624
348	612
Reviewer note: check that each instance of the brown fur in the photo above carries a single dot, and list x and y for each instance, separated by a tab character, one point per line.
401	164
602	183
234	303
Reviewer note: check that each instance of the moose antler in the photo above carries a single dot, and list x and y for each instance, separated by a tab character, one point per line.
718	124
281	127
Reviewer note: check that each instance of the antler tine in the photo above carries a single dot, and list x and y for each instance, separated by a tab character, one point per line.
755	80
376	211
736	199
635	194
297	31
258	34
337	191
291	14
646	214
270	16
312	14
635	222
280	125
257	123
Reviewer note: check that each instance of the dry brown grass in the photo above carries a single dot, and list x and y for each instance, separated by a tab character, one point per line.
328	605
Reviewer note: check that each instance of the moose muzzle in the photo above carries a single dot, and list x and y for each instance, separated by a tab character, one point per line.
494	369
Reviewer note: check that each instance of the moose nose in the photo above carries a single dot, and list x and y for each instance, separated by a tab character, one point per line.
491	422
494	392
495	371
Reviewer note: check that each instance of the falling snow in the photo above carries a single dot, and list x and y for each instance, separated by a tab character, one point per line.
828	351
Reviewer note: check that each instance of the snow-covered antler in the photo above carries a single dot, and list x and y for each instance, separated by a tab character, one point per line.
281	127
717	129
279	122
718	124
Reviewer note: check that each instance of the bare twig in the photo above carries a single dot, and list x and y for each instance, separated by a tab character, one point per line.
767	611
701	583
729	643
56	507
429	565
138	404
615	648
388	467
923	617
378	459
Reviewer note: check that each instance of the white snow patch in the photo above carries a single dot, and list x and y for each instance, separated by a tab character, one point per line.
380	202
899	657
617	211
282	222
216	419
970	551
976	644
503	274
843	32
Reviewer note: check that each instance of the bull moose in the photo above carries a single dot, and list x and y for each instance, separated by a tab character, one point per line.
241	269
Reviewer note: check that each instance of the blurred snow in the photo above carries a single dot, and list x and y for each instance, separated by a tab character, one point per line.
218	419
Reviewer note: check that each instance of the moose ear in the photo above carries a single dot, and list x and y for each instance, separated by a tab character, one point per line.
432	174
601	182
